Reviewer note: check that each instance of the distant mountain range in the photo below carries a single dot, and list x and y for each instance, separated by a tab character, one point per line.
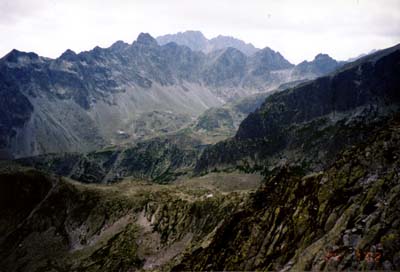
196	41
115	95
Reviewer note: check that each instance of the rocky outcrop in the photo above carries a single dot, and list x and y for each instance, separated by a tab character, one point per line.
343	218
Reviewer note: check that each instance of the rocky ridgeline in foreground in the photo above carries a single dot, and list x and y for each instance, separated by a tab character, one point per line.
343	218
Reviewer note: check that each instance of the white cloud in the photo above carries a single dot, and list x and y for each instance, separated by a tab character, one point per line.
298	29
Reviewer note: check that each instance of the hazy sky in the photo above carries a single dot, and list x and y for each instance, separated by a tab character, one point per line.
299	29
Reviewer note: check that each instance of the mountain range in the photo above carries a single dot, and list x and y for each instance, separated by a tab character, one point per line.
127	92
192	161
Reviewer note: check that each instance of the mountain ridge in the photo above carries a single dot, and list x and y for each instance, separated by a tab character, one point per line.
364	89
101	89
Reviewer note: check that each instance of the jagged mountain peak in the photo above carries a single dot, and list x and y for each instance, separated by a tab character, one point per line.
14	55
69	55
318	58
320	65
97	49
268	59
268	51
119	45
146	39
322	56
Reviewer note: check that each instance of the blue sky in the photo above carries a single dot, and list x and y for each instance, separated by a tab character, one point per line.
299	29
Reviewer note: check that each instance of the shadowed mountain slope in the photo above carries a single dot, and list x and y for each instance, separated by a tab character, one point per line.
308	124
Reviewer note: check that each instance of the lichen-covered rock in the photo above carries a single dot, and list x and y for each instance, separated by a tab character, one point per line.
345	217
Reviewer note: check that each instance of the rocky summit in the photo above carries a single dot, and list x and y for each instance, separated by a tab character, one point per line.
187	154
